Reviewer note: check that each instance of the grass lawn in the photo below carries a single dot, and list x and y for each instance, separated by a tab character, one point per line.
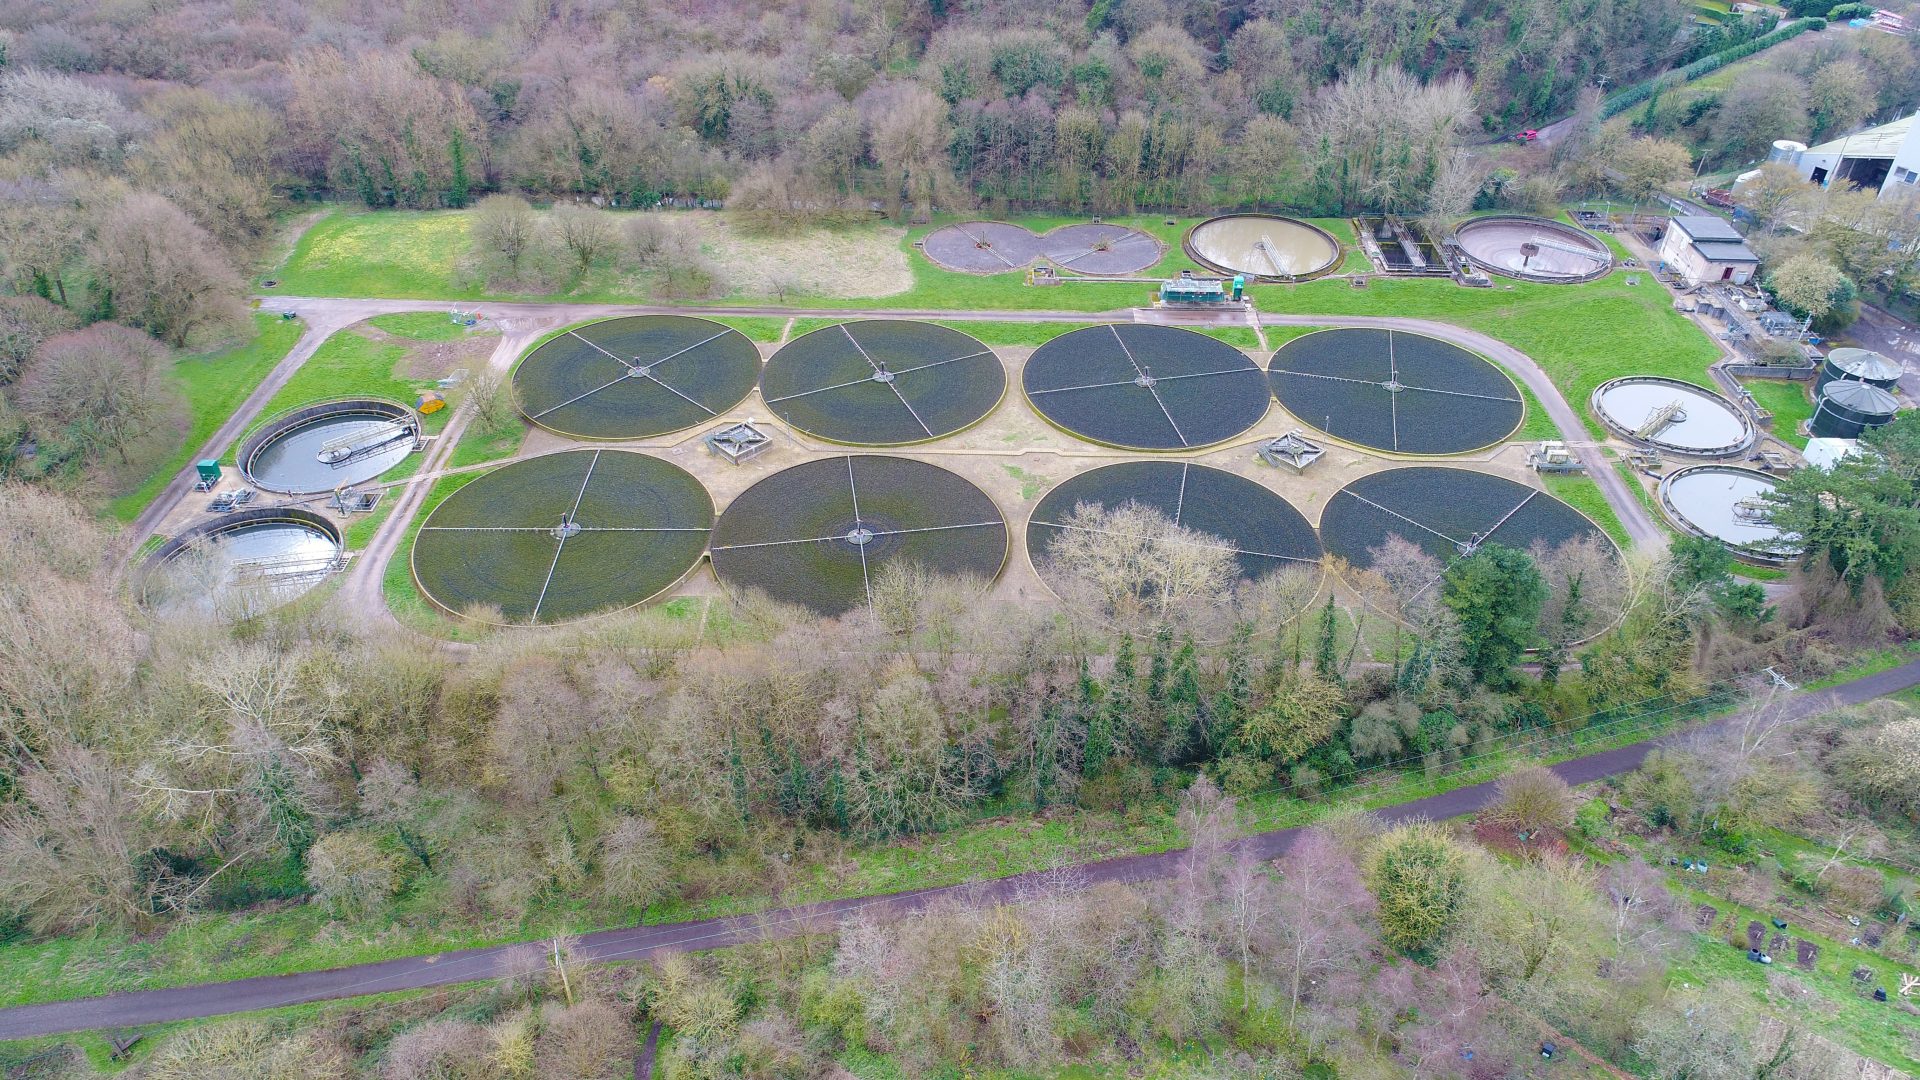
1583	494
758	329
1789	404
406	254
349	364
420	325
214	384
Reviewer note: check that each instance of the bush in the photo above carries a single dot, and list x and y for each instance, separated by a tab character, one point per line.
1418	874
1855	888
350	873
1532	799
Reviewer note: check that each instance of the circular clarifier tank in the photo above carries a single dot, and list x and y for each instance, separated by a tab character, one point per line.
1728	504
562	536
243	564
1263	246
331	444
820	534
1534	249
1672	415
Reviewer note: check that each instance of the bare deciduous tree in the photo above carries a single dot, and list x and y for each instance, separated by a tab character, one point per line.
99	390
164	272
586	233
504	227
1133	565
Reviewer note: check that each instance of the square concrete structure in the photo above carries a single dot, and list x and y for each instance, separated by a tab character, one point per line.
1704	249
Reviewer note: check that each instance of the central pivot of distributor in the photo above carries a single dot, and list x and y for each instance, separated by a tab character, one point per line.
1144	380
859	536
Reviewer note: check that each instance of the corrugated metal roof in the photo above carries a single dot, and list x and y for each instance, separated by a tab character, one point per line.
1875	142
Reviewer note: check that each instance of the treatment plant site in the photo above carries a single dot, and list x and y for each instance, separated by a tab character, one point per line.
813	456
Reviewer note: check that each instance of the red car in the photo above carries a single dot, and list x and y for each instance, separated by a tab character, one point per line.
1528	135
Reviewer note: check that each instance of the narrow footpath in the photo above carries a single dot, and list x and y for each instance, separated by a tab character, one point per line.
632	944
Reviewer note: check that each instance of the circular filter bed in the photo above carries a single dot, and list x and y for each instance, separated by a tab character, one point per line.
1674	415
333	444
565	535
1143	387
636	377
244	564
1393	391
1263	246
817	534
991	247
1447	512
1262	529
883	382
1534	249
1728	504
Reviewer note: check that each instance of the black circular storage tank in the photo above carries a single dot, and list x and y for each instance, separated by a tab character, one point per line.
1859	365
1847	409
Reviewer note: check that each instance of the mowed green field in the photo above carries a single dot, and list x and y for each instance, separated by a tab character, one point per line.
1582	335
1789	404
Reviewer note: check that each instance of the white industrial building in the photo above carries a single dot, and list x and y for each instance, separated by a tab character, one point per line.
1883	159
1701	249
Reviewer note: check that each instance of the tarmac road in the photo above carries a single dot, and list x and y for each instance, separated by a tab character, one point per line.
135	1008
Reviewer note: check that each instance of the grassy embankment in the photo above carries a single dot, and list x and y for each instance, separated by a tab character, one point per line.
1789	404
213	385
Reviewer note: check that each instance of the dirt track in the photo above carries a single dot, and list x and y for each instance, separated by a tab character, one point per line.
632	944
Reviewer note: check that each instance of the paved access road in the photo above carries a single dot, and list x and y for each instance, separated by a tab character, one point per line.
140	1007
